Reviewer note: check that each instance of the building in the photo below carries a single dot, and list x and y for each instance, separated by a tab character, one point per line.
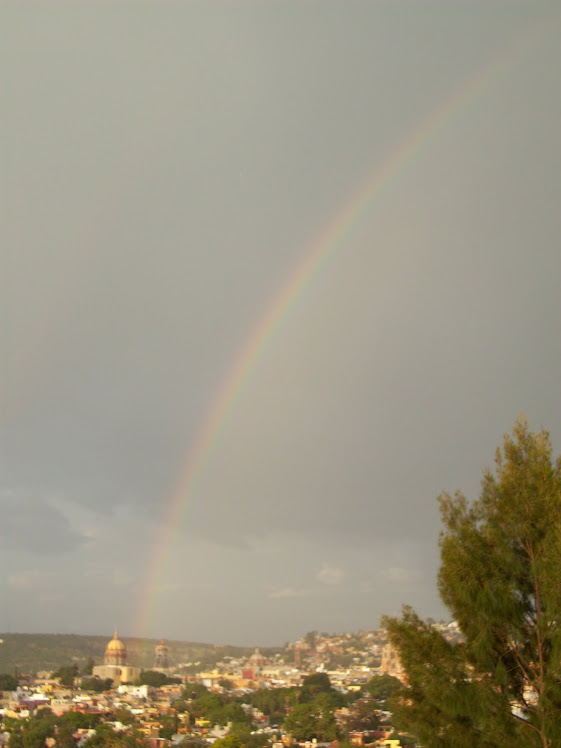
391	664
161	656
115	664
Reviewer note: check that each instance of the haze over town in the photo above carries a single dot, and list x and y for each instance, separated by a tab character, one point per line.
168	170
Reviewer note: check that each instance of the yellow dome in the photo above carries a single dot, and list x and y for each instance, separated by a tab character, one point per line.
115	645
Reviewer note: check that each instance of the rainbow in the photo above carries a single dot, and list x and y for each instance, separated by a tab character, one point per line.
378	181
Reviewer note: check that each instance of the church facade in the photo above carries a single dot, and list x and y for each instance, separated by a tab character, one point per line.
115	664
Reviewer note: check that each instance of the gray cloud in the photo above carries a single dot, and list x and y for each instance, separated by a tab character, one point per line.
35	526
288	592
330	575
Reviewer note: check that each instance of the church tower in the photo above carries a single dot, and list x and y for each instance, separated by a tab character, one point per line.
160	656
115	666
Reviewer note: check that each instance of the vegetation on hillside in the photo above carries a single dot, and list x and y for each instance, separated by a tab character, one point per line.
31	653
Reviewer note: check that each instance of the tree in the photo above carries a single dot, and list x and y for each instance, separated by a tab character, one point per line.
123	715
311	639
156	679
499	576
363	715
229	741
16	740
67	674
33	732
98	685
65	736
78	720
247	737
8	682
194	691
88	666
106	737
192	742
180	706
274	701
153	678
314	684
381	687
312	720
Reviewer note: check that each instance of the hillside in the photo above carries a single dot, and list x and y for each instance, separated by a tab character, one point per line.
30	653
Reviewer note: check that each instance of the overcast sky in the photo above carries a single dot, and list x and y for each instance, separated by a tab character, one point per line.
166	169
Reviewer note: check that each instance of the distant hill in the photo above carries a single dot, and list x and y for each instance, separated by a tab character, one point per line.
30	653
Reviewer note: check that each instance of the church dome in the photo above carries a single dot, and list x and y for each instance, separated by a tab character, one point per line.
115	652
115	645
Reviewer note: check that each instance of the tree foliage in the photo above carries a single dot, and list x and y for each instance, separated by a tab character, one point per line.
88	666
274	702
106	737
155	679
218	709
247	737
499	576
67	674
8	682
32	732
123	715
95	684
363	715
381	687
312	720
229	741
314	684
194	691
78	720
311	639
65	736
191	741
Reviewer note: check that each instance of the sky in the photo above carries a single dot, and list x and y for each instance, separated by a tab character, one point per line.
274	276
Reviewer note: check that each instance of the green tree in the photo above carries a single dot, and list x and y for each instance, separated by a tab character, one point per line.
205	704
123	715
274	701
98	685
229	741
16	740
77	720
32	732
65	736
152	678
180	706
363	715
8	682
88	666
103	735
499	576
243	731
312	720
194	691
381	687
314	684
106	737
192	742
311	639
67	674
